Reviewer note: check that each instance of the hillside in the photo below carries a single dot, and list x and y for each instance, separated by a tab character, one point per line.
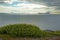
24	31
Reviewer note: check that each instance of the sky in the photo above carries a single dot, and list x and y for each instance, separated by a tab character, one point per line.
30	6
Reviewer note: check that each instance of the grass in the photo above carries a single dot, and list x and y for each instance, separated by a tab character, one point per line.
11	31
8	37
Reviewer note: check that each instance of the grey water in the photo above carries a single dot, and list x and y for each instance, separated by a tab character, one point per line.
50	22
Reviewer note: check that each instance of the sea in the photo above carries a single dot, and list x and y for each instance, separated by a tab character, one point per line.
44	22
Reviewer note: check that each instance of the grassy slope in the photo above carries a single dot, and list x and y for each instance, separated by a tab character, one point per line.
43	33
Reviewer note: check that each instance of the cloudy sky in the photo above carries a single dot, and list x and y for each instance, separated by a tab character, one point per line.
30	6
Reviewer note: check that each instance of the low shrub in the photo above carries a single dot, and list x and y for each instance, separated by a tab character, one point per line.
21	30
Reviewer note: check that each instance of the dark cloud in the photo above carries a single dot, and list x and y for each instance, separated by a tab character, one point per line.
47	2
2	0
57	8
50	3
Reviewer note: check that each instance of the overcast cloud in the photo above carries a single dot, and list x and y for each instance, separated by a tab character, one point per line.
52	5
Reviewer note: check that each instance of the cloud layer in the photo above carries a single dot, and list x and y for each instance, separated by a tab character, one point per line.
30	6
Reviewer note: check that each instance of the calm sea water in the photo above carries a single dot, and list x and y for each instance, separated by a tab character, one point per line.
51	22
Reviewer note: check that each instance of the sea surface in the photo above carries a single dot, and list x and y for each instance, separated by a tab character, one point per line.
50	22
